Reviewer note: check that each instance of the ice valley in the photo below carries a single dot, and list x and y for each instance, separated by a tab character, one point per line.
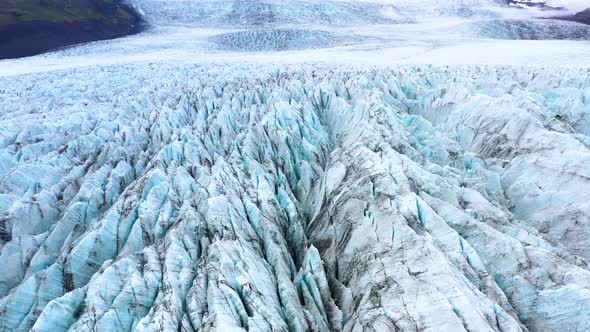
412	198
158	195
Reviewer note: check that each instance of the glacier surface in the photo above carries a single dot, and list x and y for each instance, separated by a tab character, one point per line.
199	198
301	166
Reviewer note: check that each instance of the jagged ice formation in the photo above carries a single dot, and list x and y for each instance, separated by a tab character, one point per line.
189	198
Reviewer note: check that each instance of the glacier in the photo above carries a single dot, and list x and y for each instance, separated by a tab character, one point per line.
301	166
294	199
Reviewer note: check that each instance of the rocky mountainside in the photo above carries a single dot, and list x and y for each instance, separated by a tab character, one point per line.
583	17
29	27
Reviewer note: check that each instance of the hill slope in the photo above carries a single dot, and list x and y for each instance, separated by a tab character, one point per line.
29	27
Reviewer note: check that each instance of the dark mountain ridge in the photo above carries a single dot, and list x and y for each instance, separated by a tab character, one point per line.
29	27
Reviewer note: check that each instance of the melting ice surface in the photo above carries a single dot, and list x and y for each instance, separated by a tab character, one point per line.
274	40
162	183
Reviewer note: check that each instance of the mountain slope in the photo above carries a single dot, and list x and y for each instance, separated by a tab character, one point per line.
29	27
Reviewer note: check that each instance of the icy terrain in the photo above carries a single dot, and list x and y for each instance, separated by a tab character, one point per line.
268	169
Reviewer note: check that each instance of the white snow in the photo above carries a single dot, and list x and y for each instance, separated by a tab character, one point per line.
420	39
